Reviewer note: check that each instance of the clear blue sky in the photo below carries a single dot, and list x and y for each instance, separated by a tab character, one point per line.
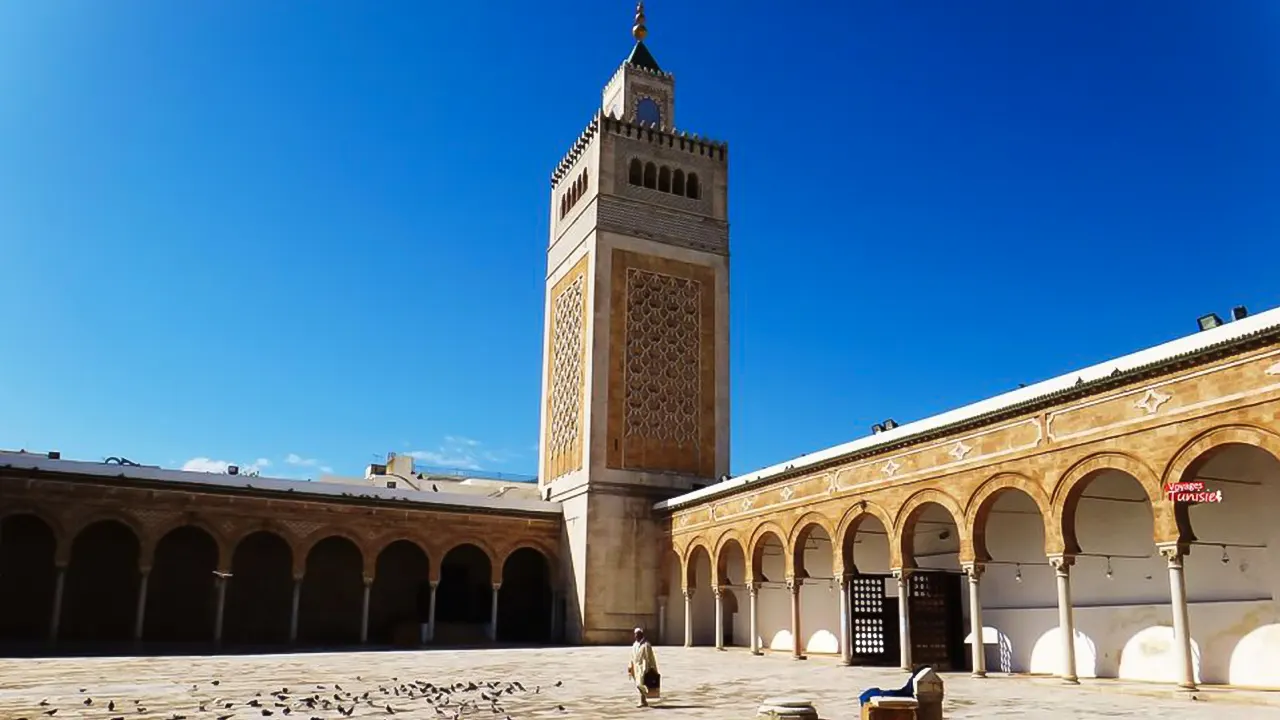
235	229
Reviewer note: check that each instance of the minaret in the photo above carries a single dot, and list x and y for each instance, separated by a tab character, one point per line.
636	365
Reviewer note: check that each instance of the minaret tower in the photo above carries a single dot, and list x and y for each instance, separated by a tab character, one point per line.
635	399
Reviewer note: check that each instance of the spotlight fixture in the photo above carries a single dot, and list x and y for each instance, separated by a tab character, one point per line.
1239	312
1018	574
1225	558
1209	322
877	429
1109	573
890	424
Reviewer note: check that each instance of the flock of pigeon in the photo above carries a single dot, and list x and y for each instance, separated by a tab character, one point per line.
320	702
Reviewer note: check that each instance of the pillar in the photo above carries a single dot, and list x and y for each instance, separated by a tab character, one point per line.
719	593
431	611
974	571
662	619
140	612
493	614
55	617
1181	621
220	609
293	616
797	641
753	591
688	617
1066	622
364	612
903	577
846	645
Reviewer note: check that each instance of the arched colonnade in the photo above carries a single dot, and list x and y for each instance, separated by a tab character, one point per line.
1025	534
109	580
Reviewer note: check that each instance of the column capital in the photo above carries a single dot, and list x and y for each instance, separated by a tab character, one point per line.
497	587
794	583
297	577
902	573
974	570
368	580
753	589
688	592
434	584
1173	554
144	569
1061	564
717	591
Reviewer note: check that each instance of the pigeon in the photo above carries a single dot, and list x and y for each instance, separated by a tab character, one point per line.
559	683
88	701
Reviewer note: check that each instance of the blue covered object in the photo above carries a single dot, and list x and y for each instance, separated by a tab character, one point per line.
906	691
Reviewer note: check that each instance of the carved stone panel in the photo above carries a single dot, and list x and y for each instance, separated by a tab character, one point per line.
662	366
567	337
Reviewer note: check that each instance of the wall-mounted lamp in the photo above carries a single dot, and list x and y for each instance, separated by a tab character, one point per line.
1017	575
1225	558
1109	573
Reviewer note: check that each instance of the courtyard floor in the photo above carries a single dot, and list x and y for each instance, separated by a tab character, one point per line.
557	682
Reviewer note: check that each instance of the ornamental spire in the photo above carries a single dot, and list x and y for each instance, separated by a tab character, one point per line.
639	31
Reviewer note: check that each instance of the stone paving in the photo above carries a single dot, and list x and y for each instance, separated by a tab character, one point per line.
697	683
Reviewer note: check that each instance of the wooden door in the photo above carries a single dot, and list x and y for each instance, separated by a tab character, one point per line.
871	624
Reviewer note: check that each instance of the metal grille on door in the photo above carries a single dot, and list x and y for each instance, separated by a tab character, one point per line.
867	613
930	629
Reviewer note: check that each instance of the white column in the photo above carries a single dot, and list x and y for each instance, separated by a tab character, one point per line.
974	571
719	616
364	612
797	641
1066	622
688	617
220	609
1181	620
904	616
293	615
493	614
55	617
662	619
431	611
140	612
753	591
846	645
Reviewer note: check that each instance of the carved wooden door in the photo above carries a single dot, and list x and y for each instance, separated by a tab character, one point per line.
930	604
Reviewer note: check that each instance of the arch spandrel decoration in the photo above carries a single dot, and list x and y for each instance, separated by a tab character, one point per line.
980	504
1067	491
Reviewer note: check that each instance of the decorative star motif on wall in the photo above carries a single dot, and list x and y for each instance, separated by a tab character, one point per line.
1274	369
1151	402
748	502
890	468
787	492
960	450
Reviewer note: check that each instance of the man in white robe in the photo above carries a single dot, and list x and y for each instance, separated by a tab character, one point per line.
642	662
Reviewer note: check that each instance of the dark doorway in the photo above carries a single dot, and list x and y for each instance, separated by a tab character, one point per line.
180	591
101	599
465	596
937	622
524	602
27	577
260	591
400	602
332	606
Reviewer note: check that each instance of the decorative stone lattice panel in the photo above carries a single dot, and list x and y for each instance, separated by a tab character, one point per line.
567	368
662	374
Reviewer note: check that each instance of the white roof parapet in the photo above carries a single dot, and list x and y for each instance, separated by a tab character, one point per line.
313	490
1196	342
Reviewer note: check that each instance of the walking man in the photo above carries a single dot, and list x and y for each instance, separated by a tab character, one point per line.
643	668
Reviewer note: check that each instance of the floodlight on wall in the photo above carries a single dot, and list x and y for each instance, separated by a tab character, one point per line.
1209	322
1239	312
890	424
1109	573
877	429
1017	575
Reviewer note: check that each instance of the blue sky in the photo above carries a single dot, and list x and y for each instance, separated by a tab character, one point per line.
315	232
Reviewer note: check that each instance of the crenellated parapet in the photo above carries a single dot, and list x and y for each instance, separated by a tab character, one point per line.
579	146
674	139
639	70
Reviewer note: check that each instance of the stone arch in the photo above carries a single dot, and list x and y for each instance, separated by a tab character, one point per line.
635	174
689	575
651	176
664	179
1202	444
691	186
981	501
755	547
677	182
720	566
908	514
62	539
224	548
847	529
553	564
146	542
1067	491
383	542
799	535
101	587
495	568
368	561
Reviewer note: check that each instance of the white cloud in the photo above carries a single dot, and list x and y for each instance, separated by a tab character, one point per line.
296	459
209	465
457	452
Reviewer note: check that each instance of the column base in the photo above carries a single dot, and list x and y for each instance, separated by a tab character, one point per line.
979	674
756	652
846	663
799	657
1070	681
1187	688
721	649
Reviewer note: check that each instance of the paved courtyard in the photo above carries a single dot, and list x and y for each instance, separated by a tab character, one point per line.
557	683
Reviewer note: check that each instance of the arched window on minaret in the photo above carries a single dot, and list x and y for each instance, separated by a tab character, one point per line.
651	176
664	179
586	180
636	175
691	190
677	182
564	204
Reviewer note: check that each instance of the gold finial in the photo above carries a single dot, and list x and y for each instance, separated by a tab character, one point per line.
639	31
